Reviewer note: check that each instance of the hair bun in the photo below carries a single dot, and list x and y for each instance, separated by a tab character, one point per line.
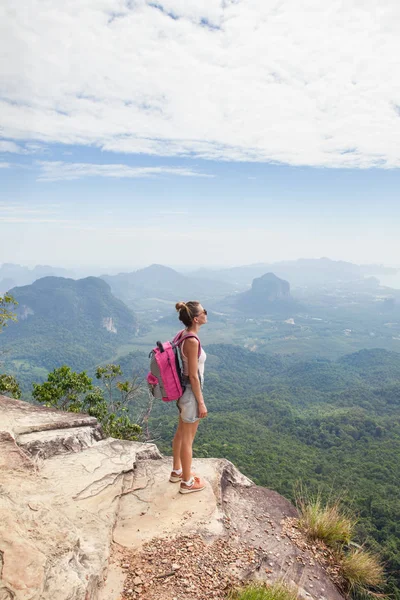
180	305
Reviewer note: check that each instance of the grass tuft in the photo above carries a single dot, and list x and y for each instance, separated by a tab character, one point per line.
326	521
361	570
254	591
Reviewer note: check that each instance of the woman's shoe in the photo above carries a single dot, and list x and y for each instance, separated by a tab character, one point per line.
175	478
196	485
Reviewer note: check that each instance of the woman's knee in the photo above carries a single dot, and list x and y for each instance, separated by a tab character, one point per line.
177	436
178	432
189	431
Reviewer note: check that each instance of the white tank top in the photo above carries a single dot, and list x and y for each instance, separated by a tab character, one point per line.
202	360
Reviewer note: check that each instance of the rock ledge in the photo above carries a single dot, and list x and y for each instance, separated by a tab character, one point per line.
80	515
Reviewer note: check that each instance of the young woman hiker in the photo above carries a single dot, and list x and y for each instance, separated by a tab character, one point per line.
191	404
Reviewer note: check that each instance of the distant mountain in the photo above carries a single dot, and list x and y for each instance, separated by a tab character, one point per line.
63	321
164	283
301	272
12	275
268	294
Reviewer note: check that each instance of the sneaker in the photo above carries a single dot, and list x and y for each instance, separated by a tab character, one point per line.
175	478
196	485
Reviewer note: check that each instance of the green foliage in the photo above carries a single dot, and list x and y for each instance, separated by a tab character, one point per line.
64	389
9	386
74	392
8	383
120	395
254	591
7	302
126	390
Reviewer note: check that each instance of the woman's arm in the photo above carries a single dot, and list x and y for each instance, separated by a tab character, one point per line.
191	351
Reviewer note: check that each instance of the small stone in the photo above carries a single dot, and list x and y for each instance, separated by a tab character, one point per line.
137	581
164	561
175	567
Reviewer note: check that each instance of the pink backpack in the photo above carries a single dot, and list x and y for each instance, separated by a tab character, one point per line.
165	376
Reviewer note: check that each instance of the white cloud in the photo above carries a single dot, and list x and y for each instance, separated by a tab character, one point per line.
293	81
61	171
5	165
7	146
12	147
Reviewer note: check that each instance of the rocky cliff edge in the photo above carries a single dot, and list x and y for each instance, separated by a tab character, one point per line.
88	518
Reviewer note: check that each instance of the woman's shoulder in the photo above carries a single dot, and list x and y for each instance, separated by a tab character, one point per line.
192	343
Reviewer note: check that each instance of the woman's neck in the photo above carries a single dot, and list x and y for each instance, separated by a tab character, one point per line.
195	328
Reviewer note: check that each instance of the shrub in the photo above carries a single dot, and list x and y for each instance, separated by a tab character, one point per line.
361	570
254	591
326	521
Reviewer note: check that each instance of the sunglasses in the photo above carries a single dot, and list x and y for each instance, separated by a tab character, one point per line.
204	312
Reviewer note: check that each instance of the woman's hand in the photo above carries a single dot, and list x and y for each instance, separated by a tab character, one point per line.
202	410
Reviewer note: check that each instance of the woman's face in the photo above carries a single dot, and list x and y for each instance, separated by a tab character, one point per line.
201	317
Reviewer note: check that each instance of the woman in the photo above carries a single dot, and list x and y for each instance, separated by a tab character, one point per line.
191	403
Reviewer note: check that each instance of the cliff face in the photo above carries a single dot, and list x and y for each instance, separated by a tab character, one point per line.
270	288
87	518
268	294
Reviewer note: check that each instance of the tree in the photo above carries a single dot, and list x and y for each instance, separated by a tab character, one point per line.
7	302
119	393
8	383
64	389
74	392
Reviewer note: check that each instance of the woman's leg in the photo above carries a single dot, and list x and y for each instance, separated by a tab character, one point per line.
187	432
176	447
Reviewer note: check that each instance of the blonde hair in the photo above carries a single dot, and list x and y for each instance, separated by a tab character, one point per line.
187	311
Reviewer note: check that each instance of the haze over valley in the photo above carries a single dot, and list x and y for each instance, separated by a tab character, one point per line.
312	308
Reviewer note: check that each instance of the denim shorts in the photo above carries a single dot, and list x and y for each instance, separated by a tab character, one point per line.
188	407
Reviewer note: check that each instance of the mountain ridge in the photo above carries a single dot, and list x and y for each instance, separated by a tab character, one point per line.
82	313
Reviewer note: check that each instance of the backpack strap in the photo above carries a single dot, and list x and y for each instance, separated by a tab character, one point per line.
179	338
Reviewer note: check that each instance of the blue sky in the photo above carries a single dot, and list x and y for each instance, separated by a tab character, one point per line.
232	133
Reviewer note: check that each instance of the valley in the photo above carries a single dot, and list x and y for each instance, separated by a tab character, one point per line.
300	392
